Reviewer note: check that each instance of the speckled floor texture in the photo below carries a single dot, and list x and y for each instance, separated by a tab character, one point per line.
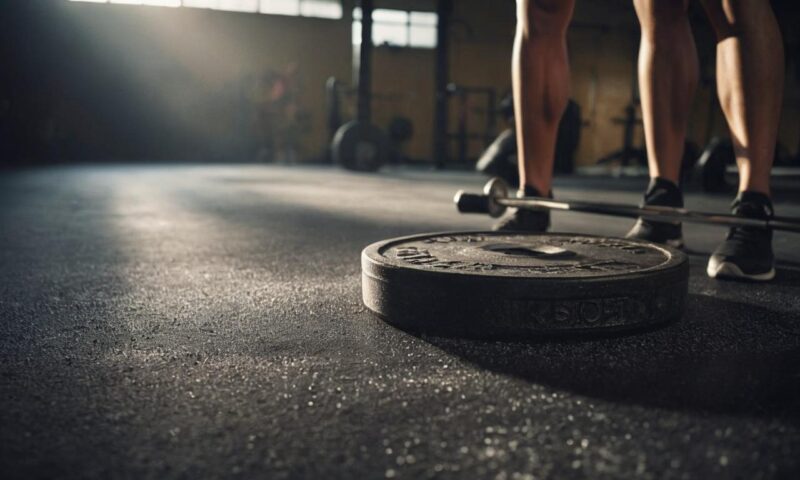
205	322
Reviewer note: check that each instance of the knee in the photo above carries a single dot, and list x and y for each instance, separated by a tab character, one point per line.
544	18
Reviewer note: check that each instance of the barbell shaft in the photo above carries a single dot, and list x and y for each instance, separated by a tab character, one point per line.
654	213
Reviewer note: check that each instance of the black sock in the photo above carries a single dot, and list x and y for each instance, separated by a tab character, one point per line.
752	204
530	191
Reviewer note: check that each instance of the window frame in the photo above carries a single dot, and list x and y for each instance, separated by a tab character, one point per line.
216	5
409	23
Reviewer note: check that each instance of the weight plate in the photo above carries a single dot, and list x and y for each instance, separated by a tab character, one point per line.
497	284
360	146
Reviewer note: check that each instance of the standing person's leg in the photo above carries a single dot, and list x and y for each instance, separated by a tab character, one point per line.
750	74
668	75
540	79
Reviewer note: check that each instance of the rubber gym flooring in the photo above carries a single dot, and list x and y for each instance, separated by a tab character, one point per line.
206	321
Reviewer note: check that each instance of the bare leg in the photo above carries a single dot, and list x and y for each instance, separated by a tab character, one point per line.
540	77
750	74
750	84
668	74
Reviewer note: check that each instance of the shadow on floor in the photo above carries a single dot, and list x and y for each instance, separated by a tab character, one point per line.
723	357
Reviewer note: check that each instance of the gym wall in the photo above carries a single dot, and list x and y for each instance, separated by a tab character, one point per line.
481	39
83	81
101	82
403	81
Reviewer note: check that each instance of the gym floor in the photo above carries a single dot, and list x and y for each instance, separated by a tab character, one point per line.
168	321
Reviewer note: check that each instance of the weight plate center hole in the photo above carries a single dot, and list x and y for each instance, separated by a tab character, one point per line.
545	252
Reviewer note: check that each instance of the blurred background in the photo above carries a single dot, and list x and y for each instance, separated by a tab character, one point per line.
272	80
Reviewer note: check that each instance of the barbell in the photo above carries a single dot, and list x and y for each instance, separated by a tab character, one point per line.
495	200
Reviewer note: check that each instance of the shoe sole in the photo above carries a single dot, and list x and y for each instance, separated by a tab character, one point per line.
731	270
676	243
670	242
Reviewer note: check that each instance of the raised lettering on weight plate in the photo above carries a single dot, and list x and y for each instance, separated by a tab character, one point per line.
423	257
455	238
592	312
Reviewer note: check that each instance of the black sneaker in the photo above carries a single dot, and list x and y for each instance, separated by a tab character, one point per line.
662	193
747	251
523	220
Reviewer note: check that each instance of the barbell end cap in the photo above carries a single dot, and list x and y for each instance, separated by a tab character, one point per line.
495	189
471	202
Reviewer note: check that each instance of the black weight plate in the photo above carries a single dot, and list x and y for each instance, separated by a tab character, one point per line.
360	146
717	155
500	158
501	285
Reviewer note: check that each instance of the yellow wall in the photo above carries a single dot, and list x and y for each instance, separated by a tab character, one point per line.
602	79
403	82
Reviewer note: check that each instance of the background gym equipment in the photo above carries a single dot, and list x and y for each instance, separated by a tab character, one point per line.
500	158
628	154
466	99
495	200
718	162
504	285
715	168
399	130
360	145
709	172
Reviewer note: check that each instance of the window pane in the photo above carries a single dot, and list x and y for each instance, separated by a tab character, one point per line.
127	2
392	34
424	18
392	27
422	37
239	5
281	7
389	16
90	1
201	3
356	33
321	8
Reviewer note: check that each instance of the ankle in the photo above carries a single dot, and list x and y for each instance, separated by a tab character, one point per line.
663	192
531	191
754	204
